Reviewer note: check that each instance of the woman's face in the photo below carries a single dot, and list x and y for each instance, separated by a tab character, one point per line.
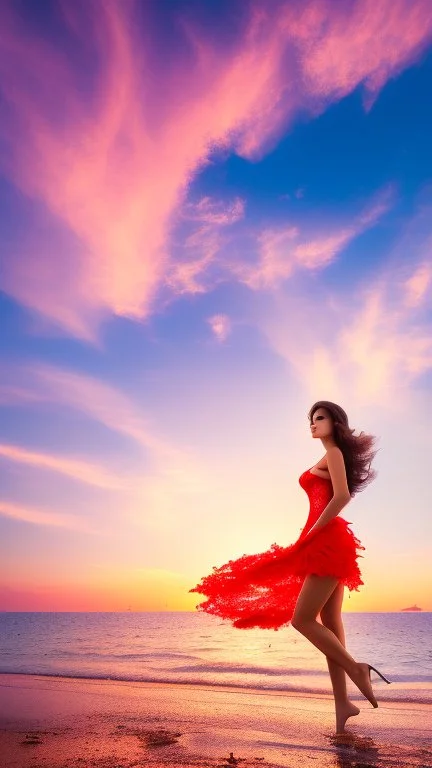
321	424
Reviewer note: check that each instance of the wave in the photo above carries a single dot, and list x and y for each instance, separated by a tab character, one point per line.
75	654
419	696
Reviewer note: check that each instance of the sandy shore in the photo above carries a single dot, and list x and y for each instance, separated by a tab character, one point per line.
51	722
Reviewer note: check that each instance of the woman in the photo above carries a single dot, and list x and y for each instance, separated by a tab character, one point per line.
297	583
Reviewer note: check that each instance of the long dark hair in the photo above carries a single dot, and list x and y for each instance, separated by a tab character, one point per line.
358	450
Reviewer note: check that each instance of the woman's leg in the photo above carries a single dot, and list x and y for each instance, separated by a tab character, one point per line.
332	619
314	594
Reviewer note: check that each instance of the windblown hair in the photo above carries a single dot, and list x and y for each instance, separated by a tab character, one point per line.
358	450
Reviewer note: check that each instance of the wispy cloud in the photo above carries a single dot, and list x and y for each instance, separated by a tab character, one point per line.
284	250
41	517
78	469
189	270
307	56
213	211
334	63
369	345
98	401
189	274
165	475
383	349
114	168
163	460
417	286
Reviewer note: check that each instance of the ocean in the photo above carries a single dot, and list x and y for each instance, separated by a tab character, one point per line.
191	648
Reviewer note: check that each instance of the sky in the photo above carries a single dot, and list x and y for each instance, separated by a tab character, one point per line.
212	215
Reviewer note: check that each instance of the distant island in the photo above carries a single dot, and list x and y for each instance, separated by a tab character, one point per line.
412	608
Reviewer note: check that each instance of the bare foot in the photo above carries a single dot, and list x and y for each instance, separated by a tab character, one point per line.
343	712
362	680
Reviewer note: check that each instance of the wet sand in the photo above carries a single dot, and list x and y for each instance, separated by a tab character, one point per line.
56	722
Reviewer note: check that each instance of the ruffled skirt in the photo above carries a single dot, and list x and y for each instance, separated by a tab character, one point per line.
261	590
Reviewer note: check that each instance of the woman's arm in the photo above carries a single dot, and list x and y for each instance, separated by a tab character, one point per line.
341	494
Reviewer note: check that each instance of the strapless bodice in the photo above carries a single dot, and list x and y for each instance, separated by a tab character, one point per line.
319	491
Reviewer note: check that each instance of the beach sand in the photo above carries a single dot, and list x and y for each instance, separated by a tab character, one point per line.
48	722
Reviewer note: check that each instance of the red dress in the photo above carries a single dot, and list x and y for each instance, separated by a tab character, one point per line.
261	590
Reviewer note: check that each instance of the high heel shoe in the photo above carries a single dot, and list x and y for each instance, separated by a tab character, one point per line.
368	693
378	673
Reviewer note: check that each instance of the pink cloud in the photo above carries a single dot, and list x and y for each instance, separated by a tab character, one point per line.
366	42
42	517
112	165
165	478
284	250
417	285
368	345
218	212
168	468
90	396
100	402
221	326
275	262
314	53
187	276
383	345
81	470
319	253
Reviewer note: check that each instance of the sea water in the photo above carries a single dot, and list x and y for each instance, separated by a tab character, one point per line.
192	648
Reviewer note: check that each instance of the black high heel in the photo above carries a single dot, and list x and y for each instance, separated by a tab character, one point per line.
378	673
372	699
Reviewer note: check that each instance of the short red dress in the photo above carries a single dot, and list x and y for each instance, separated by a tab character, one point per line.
261	590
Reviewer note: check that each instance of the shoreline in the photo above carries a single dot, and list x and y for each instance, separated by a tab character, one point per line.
418	692
92	723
